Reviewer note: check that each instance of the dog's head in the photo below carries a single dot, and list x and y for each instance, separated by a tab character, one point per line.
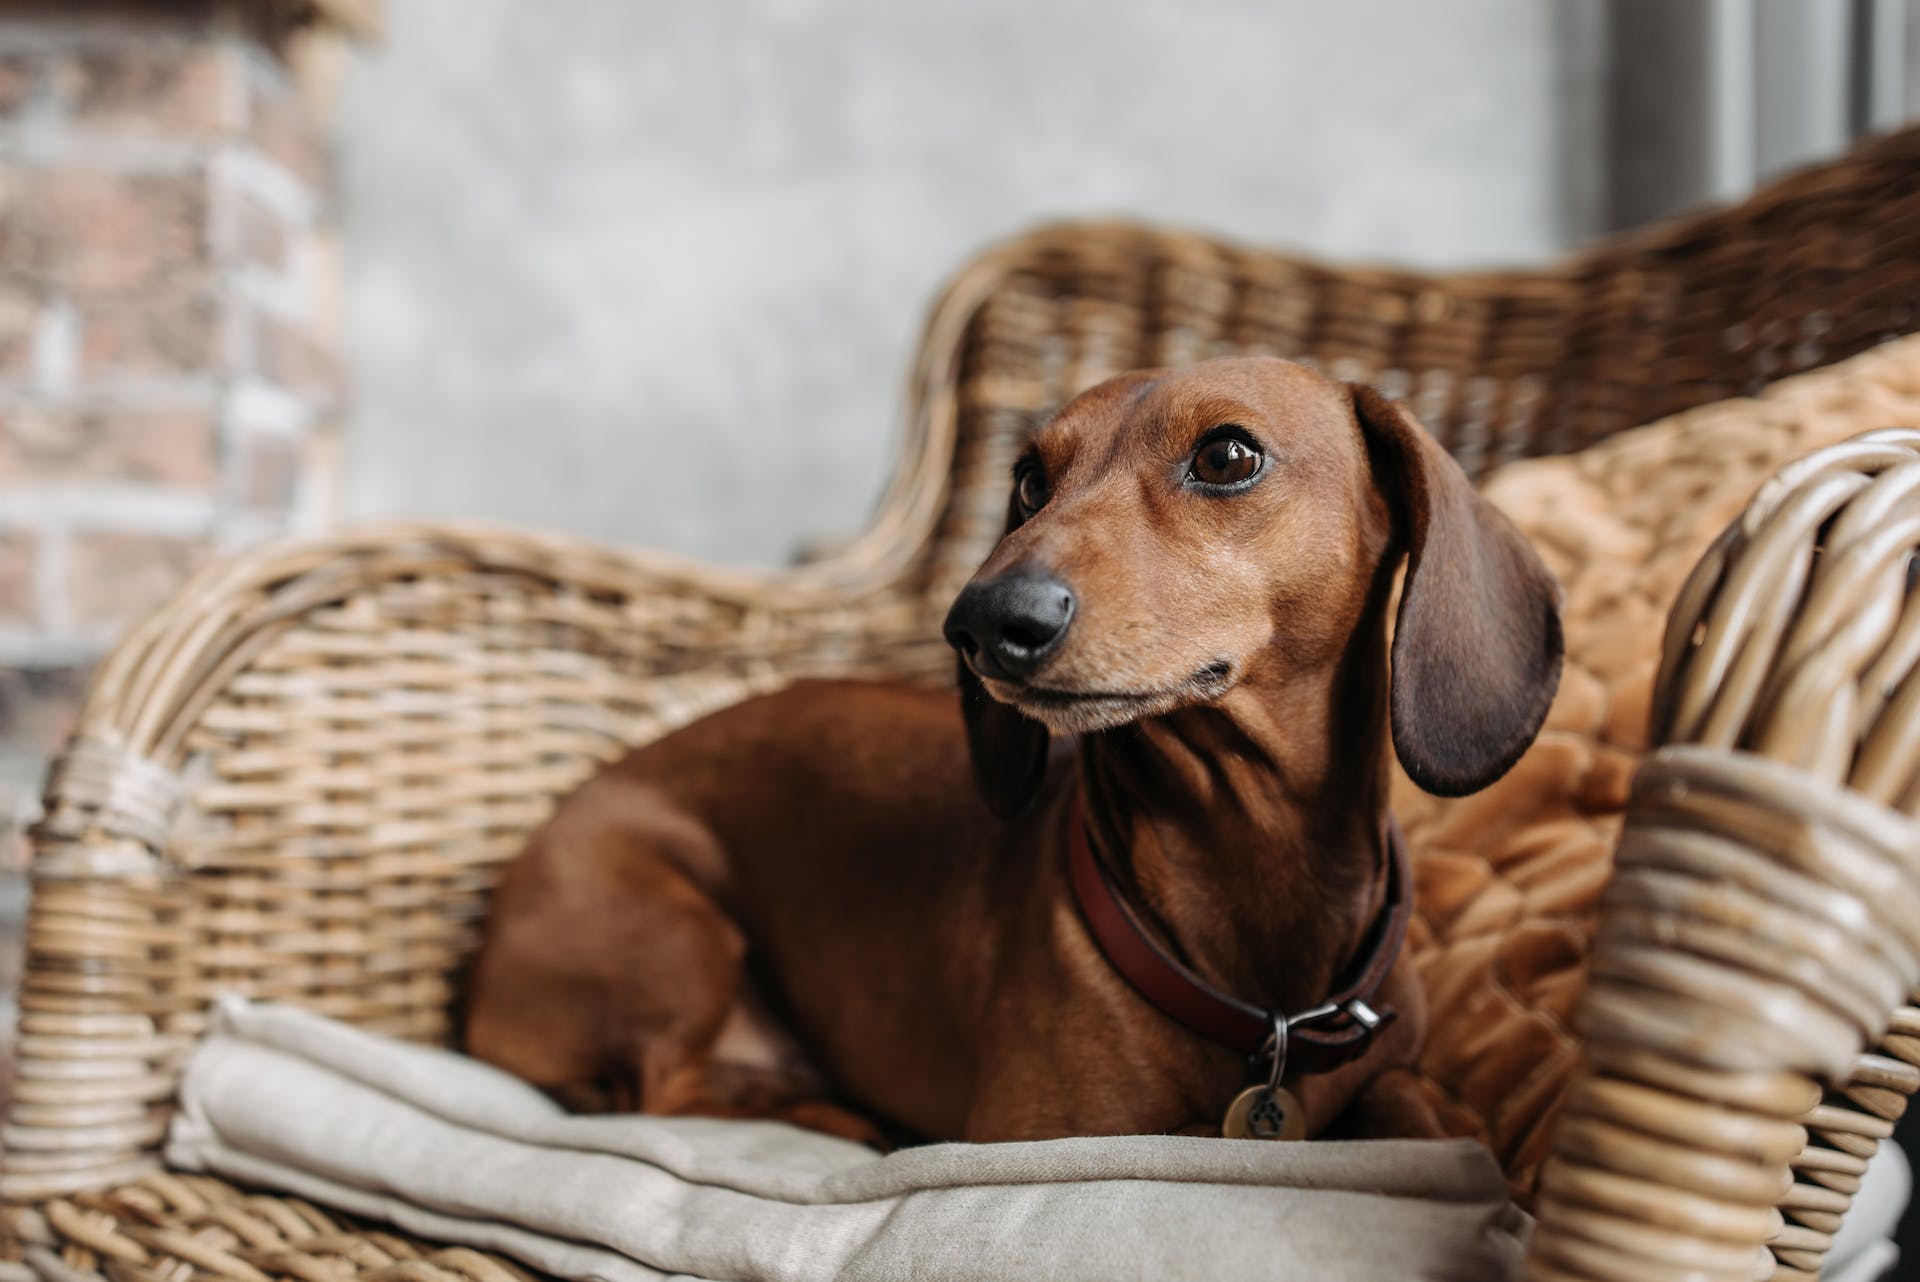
1172	535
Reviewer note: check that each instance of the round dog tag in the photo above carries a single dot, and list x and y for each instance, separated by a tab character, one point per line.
1265	1113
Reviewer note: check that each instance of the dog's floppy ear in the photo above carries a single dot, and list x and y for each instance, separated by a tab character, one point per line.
1008	748
1477	648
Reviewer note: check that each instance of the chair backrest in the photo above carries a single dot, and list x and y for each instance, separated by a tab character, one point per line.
1499	365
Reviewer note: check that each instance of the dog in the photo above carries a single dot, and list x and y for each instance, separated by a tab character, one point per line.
1138	878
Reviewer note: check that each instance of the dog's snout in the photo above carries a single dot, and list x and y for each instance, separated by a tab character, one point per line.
1006	626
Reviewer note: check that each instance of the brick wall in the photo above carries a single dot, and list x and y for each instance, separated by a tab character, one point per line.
168	380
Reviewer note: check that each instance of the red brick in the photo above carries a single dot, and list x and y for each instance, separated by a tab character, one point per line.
115	577
177	332
270	470
292	357
20	313
152	88
174	448
17	78
282	128
261	234
111	236
18	554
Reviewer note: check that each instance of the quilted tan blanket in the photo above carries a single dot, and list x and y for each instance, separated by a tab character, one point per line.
454	1150
1508	879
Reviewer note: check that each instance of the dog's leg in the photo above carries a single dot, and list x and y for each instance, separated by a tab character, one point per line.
605	965
610	978
1391	1106
797	1097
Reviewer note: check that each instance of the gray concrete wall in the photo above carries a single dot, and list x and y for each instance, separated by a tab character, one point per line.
654	272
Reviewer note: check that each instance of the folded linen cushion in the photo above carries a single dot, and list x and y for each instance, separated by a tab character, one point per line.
451	1149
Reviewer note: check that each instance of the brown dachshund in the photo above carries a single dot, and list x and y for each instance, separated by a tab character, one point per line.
1195	586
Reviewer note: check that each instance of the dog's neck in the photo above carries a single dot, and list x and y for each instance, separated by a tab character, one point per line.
1248	832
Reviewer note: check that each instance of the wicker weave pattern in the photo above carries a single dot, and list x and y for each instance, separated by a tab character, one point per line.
1763	925
164	1228
373	724
1498	365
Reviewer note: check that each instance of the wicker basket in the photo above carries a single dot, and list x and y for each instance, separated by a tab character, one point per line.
299	779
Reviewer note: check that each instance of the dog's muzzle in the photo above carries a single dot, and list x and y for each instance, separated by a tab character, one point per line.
1008	626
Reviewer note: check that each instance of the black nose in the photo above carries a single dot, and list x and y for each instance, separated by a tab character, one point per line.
1006	626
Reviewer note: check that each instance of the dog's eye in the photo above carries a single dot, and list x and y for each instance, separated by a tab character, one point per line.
1227	457
1030	491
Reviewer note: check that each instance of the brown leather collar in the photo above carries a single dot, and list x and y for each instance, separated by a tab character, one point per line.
1317	1040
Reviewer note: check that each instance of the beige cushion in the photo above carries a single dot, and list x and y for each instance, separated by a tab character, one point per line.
1508	879
453	1150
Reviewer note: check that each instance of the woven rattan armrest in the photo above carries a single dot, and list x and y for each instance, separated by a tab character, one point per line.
296	781
1748	1042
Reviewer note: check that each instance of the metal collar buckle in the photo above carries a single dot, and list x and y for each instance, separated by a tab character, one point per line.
1353	1008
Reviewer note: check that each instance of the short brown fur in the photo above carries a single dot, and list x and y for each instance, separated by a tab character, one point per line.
802	907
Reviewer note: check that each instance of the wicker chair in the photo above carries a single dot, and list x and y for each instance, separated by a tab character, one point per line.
299	779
